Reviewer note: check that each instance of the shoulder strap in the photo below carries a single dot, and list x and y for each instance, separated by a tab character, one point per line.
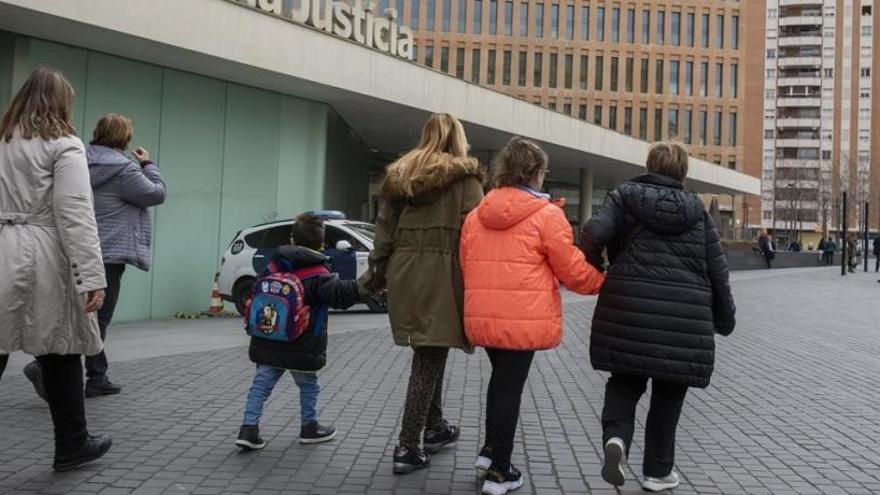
311	272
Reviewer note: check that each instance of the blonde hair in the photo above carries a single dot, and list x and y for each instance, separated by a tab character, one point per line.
669	159
443	139
113	131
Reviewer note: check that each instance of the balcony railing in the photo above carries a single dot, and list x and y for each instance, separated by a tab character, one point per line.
798	143
811	163
809	40
795	3
798	81
801	20
799	62
799	102
792	123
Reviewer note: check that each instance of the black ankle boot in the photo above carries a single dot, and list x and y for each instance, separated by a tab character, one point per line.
93	448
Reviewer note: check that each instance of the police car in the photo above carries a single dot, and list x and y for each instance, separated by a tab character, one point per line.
348	244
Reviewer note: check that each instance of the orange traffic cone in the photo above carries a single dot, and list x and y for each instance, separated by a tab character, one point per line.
216	307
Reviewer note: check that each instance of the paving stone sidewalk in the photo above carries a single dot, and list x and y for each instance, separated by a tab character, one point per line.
794	407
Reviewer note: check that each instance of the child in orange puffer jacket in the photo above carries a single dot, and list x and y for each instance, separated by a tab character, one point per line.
515	248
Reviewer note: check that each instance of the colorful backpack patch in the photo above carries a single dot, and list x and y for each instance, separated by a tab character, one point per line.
278	310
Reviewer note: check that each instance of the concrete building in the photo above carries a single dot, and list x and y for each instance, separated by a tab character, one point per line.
817	97
650	69
255	112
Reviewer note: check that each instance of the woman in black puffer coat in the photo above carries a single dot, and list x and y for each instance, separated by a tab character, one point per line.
666	294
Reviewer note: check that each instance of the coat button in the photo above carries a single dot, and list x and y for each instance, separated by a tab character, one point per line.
75	265
79	282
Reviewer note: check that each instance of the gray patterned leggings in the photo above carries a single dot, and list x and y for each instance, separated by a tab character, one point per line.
424	397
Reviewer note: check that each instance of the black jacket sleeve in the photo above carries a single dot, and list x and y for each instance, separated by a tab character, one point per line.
602	229
338	294
723	307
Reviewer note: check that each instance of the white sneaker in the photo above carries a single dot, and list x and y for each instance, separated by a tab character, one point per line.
482	464
484	461
659	484
497	483
615	462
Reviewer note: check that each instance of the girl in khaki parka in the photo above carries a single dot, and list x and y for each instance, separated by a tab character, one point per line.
425	197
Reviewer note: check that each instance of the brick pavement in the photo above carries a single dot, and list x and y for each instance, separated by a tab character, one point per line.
793	408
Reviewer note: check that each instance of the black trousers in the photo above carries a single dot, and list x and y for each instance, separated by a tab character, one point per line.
877	263
510	369
4	358
622	394
96	366
63	379
424	396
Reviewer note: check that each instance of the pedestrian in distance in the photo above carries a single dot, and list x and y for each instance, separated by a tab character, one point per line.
424	198
124	187
51	268
876	250
852	253
830	249
514	312
665	296
305	355
765	246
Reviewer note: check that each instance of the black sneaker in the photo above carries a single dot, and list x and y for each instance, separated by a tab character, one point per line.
407	460
103	387
497	483
34	373
615	462
436	440
249	438
315	433
94	448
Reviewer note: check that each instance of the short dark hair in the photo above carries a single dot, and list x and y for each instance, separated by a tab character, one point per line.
519	163
308	231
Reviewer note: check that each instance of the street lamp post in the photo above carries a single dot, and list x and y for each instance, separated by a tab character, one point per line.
843	229
865	248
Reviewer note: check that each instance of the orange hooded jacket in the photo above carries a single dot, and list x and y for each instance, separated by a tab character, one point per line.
515	248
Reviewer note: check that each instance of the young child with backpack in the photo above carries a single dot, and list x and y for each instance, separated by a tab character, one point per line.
287	321
515	248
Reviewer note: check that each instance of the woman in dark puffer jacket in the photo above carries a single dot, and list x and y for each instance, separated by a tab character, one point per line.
666	294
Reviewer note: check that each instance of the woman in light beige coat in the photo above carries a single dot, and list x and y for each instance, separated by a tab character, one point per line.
51	269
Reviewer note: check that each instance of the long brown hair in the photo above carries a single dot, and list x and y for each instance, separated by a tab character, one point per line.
519	163
443	138
42	108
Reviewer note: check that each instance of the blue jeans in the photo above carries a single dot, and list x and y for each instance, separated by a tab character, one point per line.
264	382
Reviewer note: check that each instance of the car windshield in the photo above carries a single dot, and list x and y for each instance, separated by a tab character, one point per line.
366	230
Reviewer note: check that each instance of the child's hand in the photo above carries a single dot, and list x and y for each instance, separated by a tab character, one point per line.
363	293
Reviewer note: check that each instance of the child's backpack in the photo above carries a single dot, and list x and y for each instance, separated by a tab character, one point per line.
278	310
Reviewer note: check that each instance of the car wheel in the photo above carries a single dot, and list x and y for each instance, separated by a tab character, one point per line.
240	294
378	304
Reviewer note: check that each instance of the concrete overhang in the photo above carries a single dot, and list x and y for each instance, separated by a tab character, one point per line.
385	99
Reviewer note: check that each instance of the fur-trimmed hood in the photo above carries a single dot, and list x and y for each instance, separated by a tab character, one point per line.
431	180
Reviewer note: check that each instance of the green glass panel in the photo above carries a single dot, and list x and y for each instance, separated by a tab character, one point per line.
186	248
302	156
250	164
72	62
